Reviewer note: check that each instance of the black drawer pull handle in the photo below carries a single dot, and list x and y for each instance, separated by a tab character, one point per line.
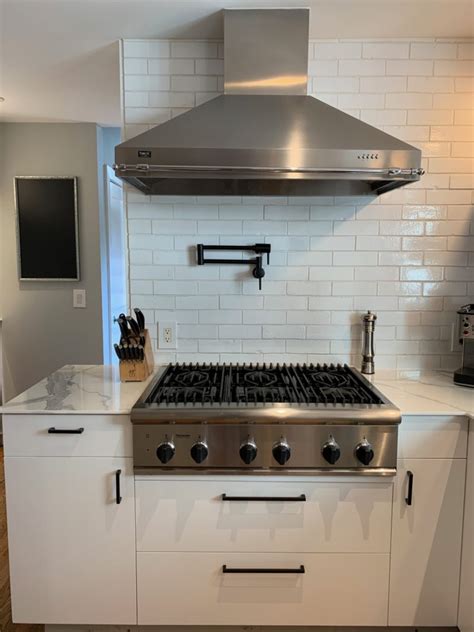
300	570
295	499
118	497
65	430
409	498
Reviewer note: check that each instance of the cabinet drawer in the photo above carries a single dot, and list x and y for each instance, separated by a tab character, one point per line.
192	589
443	437
102	435
193	516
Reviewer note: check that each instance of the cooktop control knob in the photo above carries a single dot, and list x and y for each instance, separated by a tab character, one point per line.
281	452
364	452
165	451
331	451
199	452
248	451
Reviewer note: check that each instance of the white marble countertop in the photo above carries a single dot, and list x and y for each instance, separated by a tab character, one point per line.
91	390
425	393
78	389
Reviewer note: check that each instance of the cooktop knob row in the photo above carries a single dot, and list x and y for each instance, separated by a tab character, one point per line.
281	452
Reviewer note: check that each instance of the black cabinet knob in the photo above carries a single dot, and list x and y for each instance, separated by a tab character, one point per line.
331	452
248	452
364	452
165	451
199	452
281	453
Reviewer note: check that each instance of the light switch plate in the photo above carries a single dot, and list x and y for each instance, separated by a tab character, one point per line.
79	298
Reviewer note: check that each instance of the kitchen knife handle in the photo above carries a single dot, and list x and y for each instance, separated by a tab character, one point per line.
65	430
409	498
135	327
301	498
300	570
118	497
140	318
122	323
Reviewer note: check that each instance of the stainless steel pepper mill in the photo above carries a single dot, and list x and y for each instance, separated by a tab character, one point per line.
368	353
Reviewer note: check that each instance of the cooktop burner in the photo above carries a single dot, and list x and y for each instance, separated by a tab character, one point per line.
217	385
264	419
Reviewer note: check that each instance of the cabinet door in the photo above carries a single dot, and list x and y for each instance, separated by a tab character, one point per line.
72	547
332	518
426	543
466	602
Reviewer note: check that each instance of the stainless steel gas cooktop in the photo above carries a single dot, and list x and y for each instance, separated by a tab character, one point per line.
264	419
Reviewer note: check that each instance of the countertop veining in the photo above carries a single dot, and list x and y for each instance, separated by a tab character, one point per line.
79	389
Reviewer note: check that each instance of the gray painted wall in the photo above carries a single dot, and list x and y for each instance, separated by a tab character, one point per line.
41	329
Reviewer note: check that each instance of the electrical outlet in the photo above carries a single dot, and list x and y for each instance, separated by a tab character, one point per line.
79	298
167	335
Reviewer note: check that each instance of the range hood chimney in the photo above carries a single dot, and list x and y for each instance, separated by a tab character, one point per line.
264	135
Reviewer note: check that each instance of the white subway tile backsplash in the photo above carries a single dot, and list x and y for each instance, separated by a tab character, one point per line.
209	66
401	228
400	258
464	68
410	68
360	68
404	255
146	48
433	50
308	288
286	302
419	273
193	49
409	100
193	83
383	84
332	273
308	228
170	66
285	332
197	302
336	50
265	317
386	50
378	243
355	258
424	243
335	303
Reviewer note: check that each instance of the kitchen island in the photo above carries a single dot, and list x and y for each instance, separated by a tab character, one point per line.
77	512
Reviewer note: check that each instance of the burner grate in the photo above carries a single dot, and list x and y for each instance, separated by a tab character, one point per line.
210	385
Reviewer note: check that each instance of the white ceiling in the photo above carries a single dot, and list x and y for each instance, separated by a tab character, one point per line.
59	58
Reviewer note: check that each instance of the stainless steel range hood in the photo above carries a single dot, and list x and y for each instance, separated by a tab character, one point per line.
264	135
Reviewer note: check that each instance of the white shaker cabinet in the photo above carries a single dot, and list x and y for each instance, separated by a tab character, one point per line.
426	542
72	546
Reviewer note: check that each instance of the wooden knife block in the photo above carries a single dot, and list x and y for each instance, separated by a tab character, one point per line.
138	370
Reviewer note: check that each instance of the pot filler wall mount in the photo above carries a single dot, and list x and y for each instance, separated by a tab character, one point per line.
265	135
